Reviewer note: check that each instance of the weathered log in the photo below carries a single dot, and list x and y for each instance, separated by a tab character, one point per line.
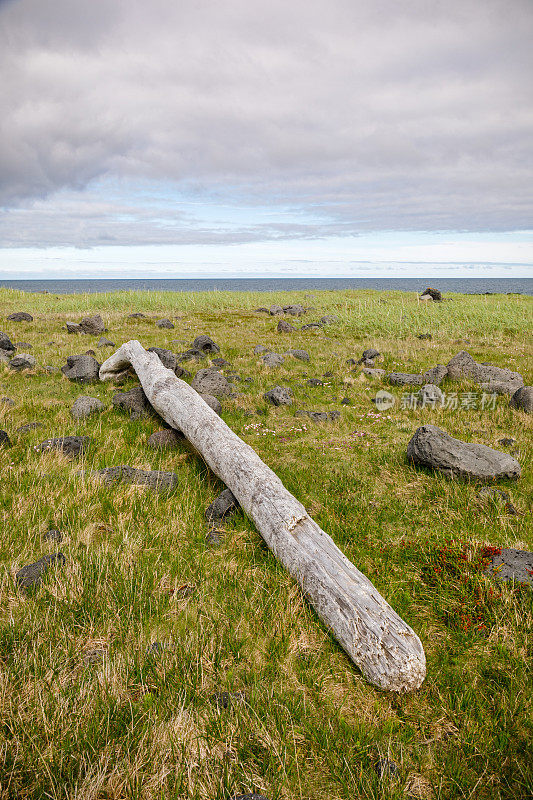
379	642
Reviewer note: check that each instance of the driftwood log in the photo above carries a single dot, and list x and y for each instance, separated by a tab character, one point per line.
386	650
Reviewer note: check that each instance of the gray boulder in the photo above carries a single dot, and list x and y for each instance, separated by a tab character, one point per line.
369	355
93	326
68	445
168	359
279	396
311	326
274	310
259	348
134	401
301	355
272	359
223	506
435	295
137	315
295	310
433	448
84	406
511	565
164	323
430	395
522	399
209	381
436	374
82	369
22	361
6	344
154	479
30	576
406	379
20	316
73	327
190	355
205	344
105	342
285	327
320	416
166	439
373	372
462	366
53	535
212	402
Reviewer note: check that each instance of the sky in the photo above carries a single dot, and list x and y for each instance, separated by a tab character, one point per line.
244	137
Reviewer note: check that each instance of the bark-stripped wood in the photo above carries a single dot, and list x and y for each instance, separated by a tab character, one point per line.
379	642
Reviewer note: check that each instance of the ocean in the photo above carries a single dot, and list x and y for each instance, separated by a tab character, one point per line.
460	285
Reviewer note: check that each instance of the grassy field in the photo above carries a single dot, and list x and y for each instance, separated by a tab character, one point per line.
88	712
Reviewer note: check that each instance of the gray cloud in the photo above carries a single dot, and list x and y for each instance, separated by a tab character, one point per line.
371	116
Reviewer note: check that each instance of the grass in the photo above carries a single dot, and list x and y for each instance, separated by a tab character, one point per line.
87	712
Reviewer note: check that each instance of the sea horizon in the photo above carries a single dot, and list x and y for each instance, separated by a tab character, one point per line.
489	285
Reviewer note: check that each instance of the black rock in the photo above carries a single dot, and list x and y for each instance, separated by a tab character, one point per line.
155	479
346	401
137	315
94	326
272	359
205	344
82	369
328	319
4	439
209	381
134	401
427	336
279	396
507	441
252	796
314	382
522	399
84	406
164	323
212	402
53	536
259	349
214	538
73	327
168	359
220	363
29	426
192	354
20	316
68	445
405	379
285	327
369	355
166	439
6	343
490	378
295	310
274	310
386	767
301	355
22	361
512	565
31	575
433	448
223	506
310	325
434	294
227	699
104	342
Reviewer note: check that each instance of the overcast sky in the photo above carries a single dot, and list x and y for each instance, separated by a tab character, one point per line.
177	136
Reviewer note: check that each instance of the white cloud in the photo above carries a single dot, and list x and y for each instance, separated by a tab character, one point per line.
369	116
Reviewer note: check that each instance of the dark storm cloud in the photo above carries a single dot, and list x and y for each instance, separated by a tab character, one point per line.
371	116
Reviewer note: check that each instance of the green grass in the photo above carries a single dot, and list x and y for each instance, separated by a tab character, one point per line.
133	725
